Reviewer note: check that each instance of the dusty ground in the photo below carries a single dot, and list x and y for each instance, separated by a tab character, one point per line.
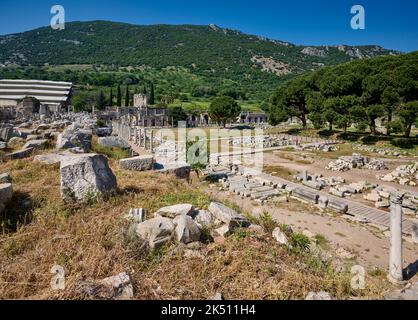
88	241
369	244
316	164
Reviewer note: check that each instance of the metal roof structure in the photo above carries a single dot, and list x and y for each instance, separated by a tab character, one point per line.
47	92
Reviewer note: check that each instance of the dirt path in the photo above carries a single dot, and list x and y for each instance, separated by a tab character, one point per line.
369	244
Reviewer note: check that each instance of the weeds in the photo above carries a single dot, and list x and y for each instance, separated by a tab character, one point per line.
299	242
93	241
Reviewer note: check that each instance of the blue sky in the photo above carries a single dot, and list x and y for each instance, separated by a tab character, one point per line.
392	24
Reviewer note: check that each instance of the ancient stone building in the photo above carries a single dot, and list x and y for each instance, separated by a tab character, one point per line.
253	117
140	101
145	116
18	95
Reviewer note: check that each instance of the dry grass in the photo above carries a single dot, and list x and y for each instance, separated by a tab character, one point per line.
279	171
87	240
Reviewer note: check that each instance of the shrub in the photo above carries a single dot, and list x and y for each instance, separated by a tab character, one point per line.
267	222
100	123
402	143
299	241
369	139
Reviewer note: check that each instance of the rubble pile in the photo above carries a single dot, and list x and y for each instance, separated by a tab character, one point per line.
336	184
404	175
259	142
183	223
382	151
347	163
321	146
343	191
381	197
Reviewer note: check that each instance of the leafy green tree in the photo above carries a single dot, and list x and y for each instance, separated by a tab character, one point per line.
396	126
317	120
83	101
223	109
177	114
291	101
315	105
369	114
184	97
329	112
408	114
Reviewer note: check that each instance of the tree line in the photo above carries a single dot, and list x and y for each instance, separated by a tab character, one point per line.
357	93
101	101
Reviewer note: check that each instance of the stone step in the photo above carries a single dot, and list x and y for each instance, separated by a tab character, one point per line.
265	195
262	189
233	188
251	185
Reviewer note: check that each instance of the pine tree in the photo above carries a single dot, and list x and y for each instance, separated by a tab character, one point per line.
111	97
119	97
152	95
127	96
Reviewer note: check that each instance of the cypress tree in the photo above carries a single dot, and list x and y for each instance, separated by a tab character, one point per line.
152	95
111	97
127	96
119	97
101	101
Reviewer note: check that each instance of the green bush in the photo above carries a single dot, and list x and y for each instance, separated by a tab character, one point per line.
300	241
369	139
402	143
100	123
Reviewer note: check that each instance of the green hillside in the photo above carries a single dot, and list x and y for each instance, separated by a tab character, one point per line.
206	59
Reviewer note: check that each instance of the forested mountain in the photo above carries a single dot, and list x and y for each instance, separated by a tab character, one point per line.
217	54
359	92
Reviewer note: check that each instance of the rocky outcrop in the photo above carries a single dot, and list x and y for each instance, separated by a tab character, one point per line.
311	51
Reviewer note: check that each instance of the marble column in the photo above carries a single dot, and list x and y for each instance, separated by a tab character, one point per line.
145	139
151	143
395	258
305	175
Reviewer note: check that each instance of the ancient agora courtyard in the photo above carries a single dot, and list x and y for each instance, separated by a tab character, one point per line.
109	205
